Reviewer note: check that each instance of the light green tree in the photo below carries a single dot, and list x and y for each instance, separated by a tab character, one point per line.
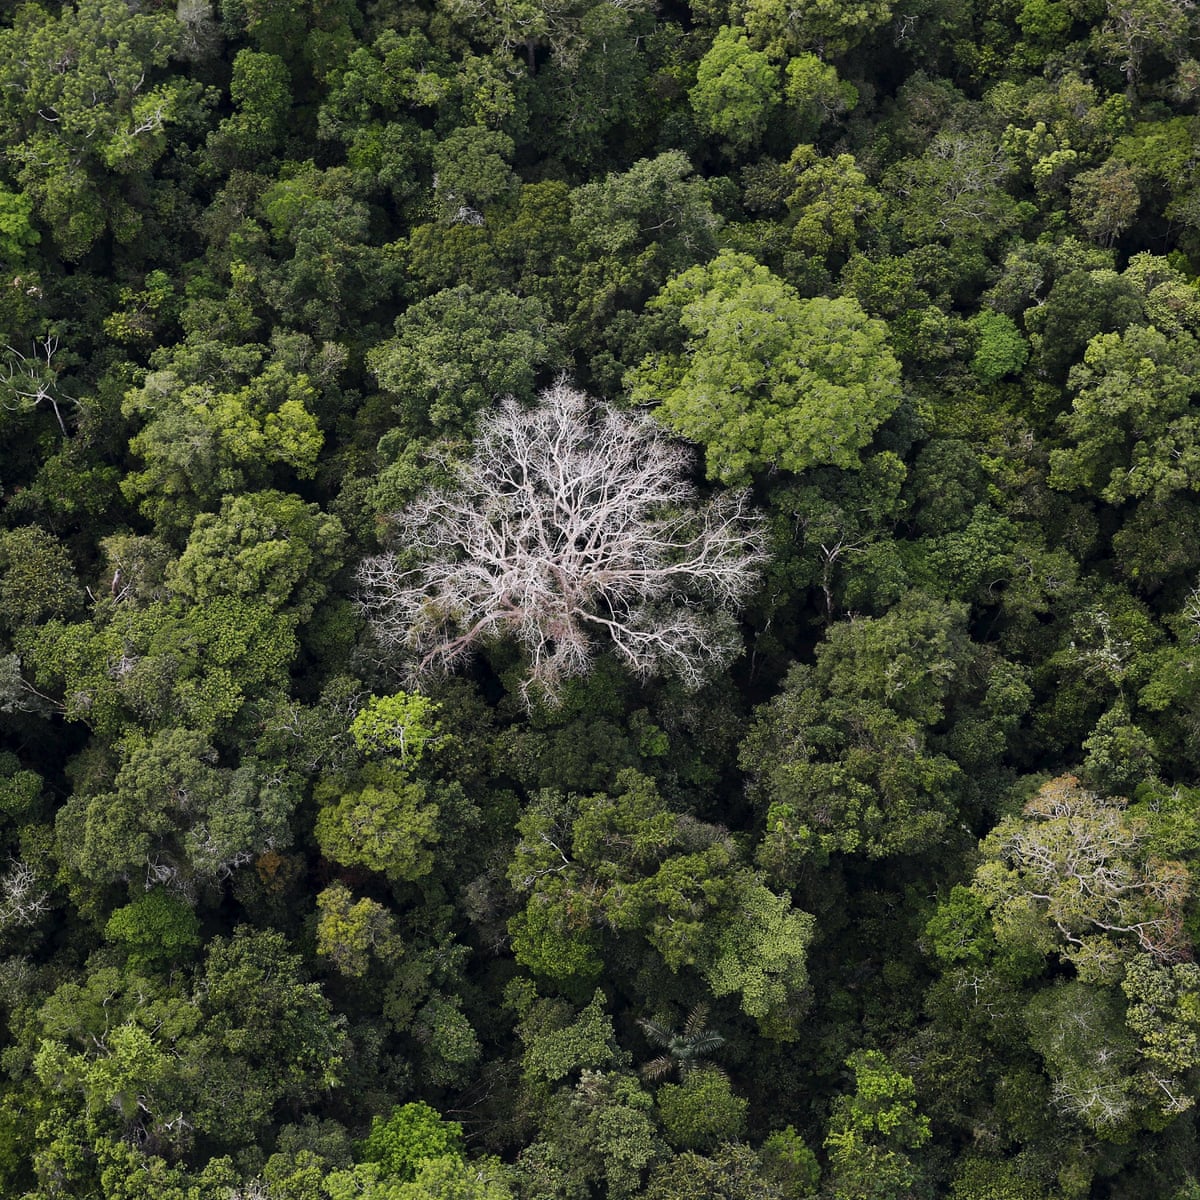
17	233
767	379
404	724
556	1047
350	933
411	1135
1078	874
815	94
157	927
385	822
737	90
37	577
871	1132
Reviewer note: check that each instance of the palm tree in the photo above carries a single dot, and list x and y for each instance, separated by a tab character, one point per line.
684	1049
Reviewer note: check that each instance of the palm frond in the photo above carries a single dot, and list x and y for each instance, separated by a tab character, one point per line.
655	1031
705	1043
658	1068
696	1020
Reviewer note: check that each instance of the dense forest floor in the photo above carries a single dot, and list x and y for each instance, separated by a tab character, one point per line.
599	600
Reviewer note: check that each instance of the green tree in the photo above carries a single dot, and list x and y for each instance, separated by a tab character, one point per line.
385	822
326	263
121	1057
157	927
815	94
472	172
261	91
987	1179
35	382
84	114
767	379
450	1048
733	1171
628	232
413	1134
459	351
556	1049
586	103
871	1132
121	1091
378	102
161	662
1163	1012
598	1138
1135	30
1105	201
702	1111
173	816
626	863
269	1036
736	92
953	193
822	26
829	205
1131	426
200	443
566	30
1078	1031
1082	302
265	545
843	759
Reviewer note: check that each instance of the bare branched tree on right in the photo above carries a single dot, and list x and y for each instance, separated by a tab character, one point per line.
1076	873
572	525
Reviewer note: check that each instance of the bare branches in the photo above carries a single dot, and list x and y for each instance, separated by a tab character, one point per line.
1083	862
27	382
24	898
571	523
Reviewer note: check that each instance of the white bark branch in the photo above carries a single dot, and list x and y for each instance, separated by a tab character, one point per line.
570	520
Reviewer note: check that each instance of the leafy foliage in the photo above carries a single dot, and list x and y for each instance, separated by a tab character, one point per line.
350	346
768	379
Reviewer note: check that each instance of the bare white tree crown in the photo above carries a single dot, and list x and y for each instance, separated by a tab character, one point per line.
571	526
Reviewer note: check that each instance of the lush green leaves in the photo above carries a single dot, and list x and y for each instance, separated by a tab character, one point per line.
768	379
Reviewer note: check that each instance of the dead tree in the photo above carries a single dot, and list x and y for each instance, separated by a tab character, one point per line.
572	525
